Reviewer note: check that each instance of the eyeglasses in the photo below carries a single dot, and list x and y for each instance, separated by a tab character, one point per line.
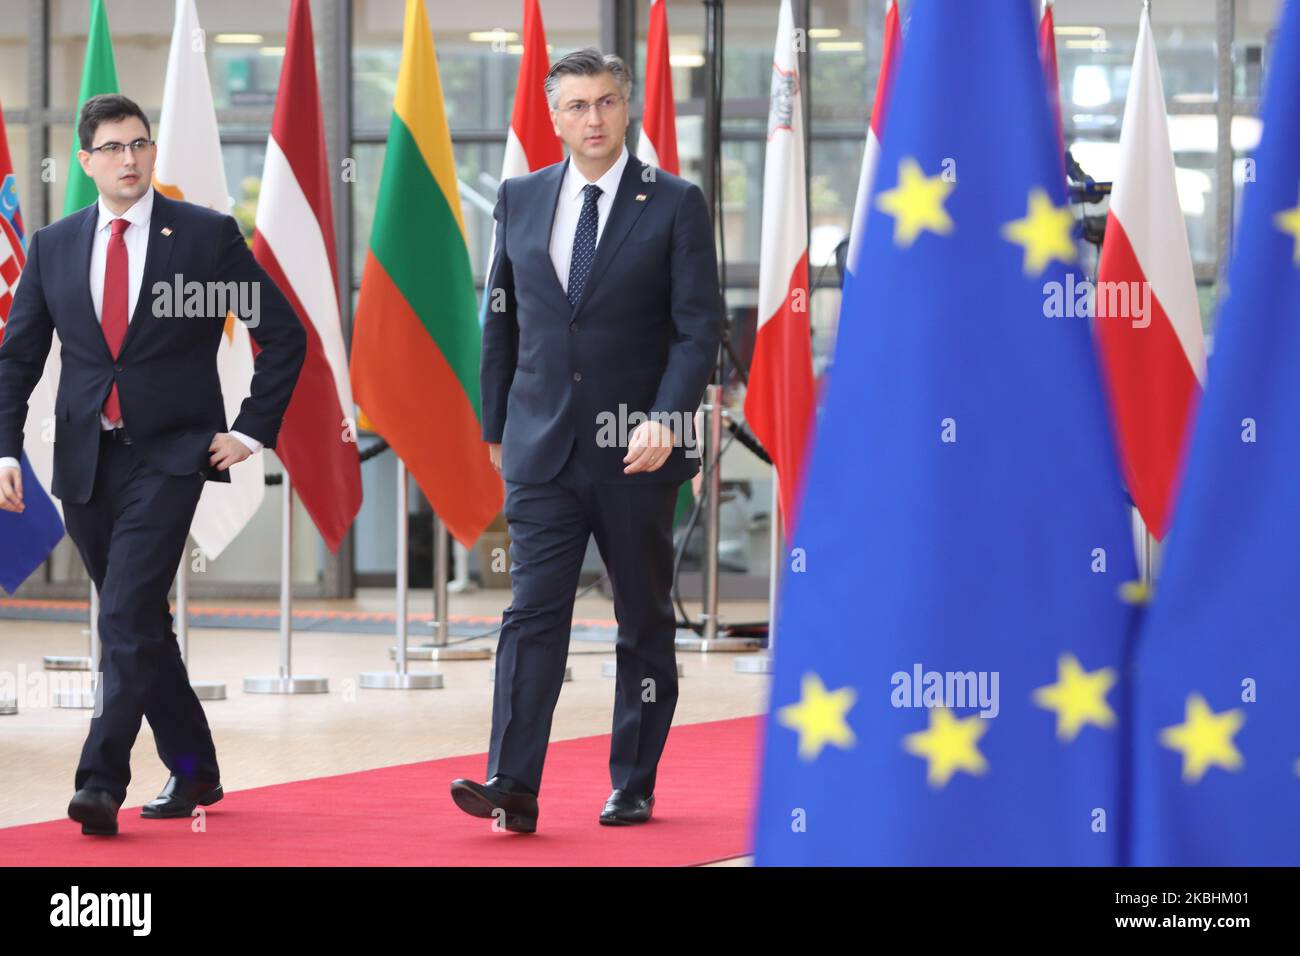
604	104
114	149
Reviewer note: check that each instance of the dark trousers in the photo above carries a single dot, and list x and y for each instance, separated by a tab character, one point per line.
131	535
550	525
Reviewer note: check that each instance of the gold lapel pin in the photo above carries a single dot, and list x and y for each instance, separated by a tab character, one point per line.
166	230
640	197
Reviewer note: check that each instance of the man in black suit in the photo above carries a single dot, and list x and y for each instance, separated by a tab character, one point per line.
603	322
139	426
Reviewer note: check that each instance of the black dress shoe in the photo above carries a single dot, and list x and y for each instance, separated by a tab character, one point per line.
499	798
180	796
95	810
624	807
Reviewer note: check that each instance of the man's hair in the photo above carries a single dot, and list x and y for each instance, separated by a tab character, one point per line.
588	62
106	108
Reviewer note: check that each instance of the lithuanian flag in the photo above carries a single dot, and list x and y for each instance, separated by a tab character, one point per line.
416	338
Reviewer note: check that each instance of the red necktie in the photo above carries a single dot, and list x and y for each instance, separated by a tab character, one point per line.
113	310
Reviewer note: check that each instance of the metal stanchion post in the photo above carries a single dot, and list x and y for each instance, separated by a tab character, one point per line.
76	662
762	663
713	638
401	678
83	697
285	682
437	649
203	689
460	582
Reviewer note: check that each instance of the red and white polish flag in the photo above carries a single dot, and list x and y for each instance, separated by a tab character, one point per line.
294	242
780	402
1152	349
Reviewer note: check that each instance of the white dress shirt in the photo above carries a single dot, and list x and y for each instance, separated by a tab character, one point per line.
136	238
569	208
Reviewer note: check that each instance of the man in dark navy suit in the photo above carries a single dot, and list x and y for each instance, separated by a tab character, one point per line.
139	426
602	327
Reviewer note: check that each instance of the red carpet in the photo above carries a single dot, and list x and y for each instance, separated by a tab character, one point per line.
403	816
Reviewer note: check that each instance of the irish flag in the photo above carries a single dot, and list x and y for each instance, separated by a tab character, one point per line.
1148	322
416	337
780	401
189	167
294	242
98	75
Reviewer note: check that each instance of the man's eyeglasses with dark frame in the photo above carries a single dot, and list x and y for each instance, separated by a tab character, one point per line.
113	148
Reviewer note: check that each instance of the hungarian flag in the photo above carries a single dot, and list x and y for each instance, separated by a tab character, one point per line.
189	167
893	47
658	143
416	338
98	75
30	536
294	242
780	401
1148	322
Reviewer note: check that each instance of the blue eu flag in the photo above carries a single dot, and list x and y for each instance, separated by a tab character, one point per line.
27	539
952	637
1217	767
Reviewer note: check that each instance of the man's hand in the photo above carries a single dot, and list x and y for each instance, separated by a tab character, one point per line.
494	453
648	448
11	489
226	450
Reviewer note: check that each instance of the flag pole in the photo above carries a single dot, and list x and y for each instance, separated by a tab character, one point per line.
762	663
203	689
1148	557
438	649
401	678
284	682
81	698
713	636
75	662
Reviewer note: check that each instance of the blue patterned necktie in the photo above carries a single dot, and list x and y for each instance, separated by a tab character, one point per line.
584	243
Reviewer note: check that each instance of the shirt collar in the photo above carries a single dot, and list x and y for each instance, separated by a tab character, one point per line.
138	215
608	183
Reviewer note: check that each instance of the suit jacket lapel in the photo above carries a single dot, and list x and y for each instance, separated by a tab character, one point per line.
623	215
155	263
553	178
85	246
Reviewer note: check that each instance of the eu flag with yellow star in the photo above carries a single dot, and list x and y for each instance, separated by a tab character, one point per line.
950	665
1217	768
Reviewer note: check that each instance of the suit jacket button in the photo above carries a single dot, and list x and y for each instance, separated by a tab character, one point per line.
573	326
117	368
577	376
